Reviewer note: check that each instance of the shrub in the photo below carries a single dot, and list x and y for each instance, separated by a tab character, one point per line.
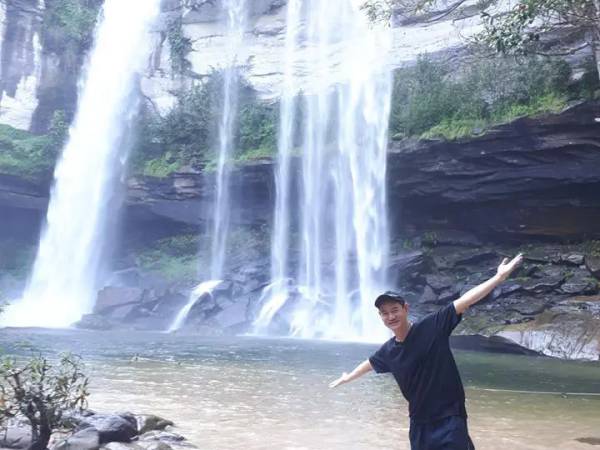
41	393
180	46
30	155
436	100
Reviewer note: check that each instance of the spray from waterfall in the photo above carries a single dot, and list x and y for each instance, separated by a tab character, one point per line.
236	17
338	62
64	281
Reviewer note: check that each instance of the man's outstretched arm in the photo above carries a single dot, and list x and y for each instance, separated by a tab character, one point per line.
359	371
472	296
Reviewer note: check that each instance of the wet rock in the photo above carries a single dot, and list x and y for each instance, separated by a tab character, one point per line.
562	335
233	316
112	427
17	436
580	285
593	265
575	259
94	322
111	297
543	254
84	439
428	296
451	257
155	445
165	436
439	282
453	237
448	295
121	446
407	266
149	422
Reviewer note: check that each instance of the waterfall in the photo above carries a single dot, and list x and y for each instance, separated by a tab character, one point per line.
236	17
65	275
337	61
236	12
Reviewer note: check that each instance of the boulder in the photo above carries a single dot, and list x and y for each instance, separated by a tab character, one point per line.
232	316
428	296
580	285
593	265
112	427
149	422
121	446
155	445
112	296
440	282
94	322
575	259
16	436
84	439
407	266
165	436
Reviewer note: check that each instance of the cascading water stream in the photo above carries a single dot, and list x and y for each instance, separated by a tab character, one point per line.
65	275
236	14
338	63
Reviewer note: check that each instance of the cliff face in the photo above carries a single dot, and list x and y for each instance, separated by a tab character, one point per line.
532	178
38	76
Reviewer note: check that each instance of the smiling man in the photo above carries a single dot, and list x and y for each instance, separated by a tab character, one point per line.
419	357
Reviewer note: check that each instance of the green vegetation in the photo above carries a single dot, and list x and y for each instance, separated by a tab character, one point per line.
69	24
176	258
180	47
188	133
41	392
186	257
32	156
434	100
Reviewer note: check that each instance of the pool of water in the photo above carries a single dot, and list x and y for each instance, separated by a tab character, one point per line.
250	393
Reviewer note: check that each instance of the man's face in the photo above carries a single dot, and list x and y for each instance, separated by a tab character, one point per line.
393	314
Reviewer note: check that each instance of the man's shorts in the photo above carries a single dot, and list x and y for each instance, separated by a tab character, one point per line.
449	433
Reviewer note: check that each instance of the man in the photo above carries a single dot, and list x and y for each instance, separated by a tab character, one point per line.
419	357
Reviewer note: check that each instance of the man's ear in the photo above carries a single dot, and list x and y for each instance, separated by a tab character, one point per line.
405	306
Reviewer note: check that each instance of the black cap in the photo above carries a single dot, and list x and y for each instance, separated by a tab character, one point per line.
389	296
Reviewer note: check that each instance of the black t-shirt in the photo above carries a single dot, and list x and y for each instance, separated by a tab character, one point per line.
424	367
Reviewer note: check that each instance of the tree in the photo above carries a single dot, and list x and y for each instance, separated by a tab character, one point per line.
517	30
41	392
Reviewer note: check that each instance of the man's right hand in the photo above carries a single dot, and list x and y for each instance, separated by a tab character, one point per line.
341	380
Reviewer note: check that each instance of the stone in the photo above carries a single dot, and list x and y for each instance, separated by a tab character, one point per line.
84	439
121	446
165	436
112	427
155	445
94	322
407	266
593	265
440	282
234	315
112	296
428	296
16	436
150	422
580	285
575	259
